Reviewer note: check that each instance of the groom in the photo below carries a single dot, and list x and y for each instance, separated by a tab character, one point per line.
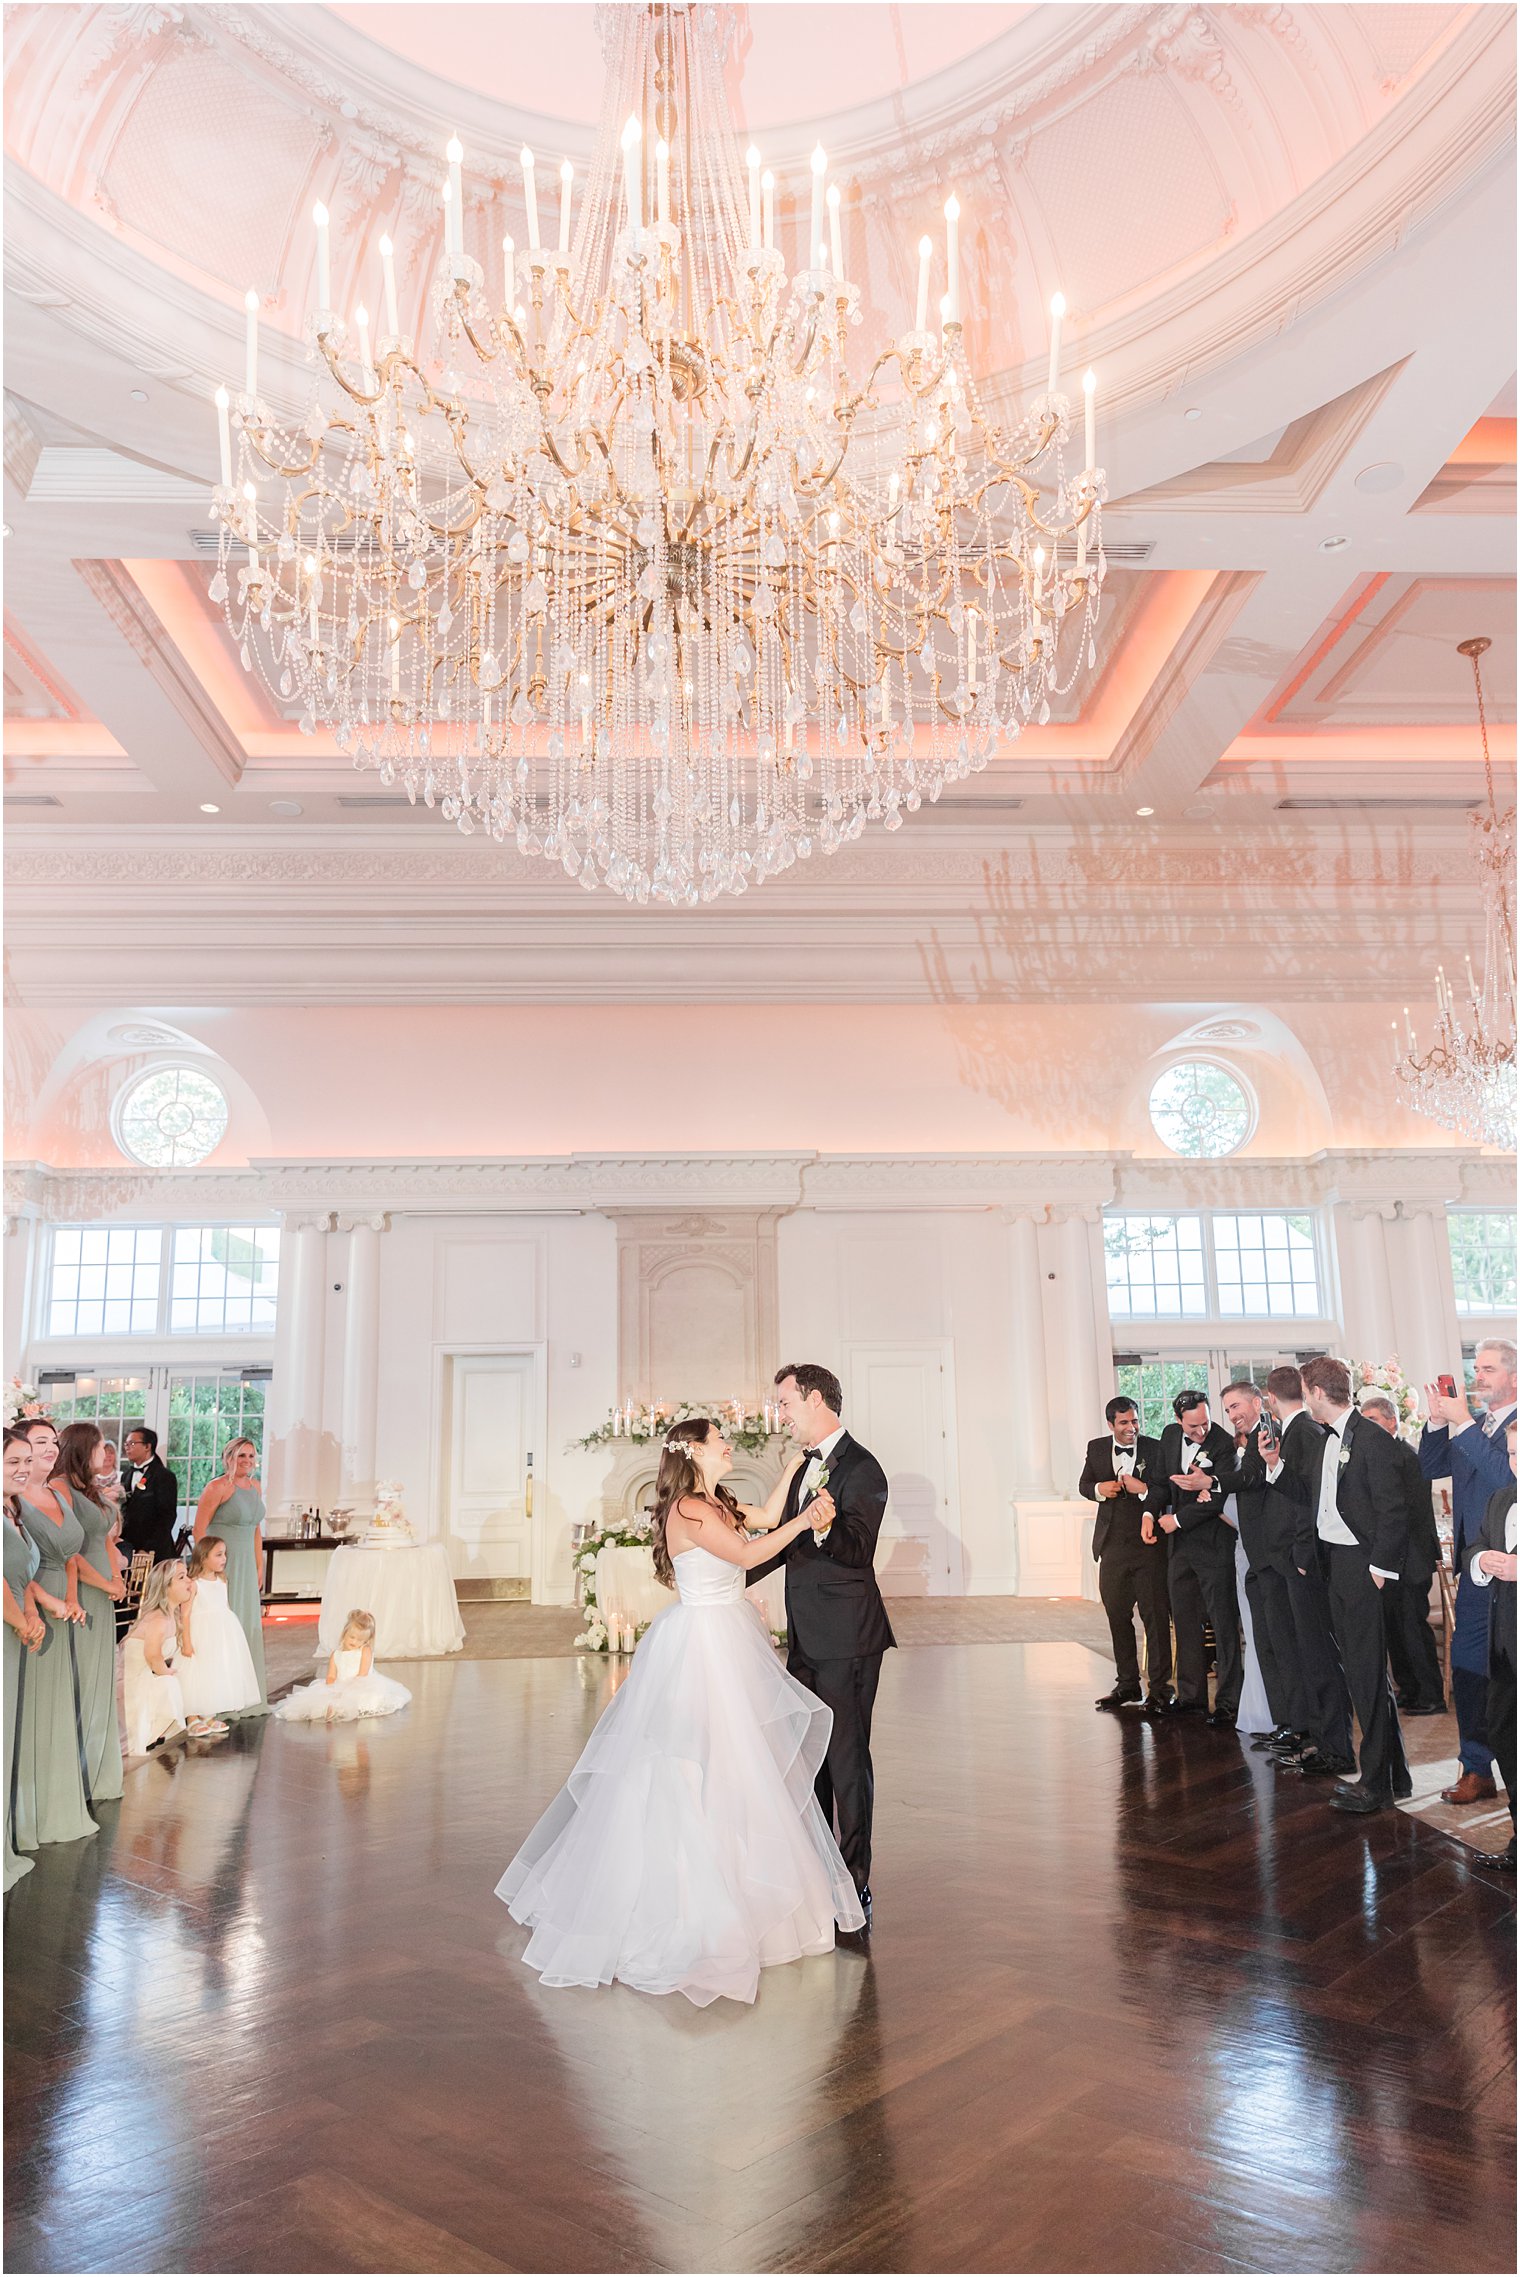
837	1627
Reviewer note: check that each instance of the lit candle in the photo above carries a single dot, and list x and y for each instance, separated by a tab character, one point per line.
455	214
251	304
361	326
224	435
1057	311
952	257
752	161
768	196
388	271
835	244
815	225
566	179
633	172
324	272
448	225
530	197
662	181
925	256
1090	419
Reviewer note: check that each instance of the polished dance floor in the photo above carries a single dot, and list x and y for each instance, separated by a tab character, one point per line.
1133	2003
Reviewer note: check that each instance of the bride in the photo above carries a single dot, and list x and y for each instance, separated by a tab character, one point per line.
687	1852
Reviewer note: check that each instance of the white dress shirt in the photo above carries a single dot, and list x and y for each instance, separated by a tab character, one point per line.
1124	1461
1330	1525
814	1467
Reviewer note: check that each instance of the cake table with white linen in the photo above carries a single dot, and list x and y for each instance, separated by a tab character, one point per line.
410	1591
626	1589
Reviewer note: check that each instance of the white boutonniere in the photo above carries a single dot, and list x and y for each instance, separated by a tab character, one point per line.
819	1483
1345	1458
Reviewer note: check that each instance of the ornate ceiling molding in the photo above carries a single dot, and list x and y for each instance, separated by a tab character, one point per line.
130	612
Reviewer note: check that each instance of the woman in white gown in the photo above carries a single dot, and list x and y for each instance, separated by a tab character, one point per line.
687	1851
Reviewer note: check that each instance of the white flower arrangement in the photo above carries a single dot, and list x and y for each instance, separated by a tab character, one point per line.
594	1636
1389	1379
21	1402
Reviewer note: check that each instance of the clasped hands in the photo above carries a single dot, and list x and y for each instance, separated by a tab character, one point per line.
820	1512
1499	1565
1125	1483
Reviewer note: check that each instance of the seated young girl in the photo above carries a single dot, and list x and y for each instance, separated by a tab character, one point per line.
352	1687
214	1666
151	1694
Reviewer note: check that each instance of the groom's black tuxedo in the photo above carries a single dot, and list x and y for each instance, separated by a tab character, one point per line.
837	1631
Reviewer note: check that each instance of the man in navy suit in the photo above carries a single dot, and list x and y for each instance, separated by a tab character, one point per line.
1492	1568
1455	1445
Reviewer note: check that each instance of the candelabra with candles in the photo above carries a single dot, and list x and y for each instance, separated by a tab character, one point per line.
648	582
1466	1080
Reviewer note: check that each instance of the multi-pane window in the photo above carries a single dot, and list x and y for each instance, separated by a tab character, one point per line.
1154	1384
218	1280
1155	1266
1266	1266
206	1410
105	1280
1483	1259
1256	1265
172	1118
224	1278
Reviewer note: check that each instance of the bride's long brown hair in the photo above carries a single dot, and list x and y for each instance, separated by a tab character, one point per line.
679	1476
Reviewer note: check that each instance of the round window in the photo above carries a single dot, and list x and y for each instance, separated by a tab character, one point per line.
171	1119
1200	1110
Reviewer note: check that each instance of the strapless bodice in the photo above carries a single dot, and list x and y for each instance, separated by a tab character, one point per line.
702	1579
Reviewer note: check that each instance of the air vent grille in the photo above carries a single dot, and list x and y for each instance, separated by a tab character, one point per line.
1393	804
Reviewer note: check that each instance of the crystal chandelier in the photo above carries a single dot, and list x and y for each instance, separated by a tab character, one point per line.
630	567
1466	1080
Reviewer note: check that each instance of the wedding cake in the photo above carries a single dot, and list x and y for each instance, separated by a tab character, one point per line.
388	1528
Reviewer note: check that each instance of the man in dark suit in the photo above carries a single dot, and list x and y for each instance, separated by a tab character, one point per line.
1455	1445
150	1504
1266	1536
1492	1567
1123	1475
1355	1521
836	1624
1321	1749
1412	1653
1198	1474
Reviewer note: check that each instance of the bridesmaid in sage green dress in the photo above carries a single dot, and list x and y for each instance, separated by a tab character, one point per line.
99	1589
24	1629
233	1507
51	1748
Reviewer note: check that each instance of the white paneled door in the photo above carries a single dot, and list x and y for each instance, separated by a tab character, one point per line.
902	1408
488	1522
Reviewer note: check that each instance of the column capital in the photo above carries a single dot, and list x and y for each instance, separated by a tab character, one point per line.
375	1221
1024	1213
1361	1211
1074	1213
306	1221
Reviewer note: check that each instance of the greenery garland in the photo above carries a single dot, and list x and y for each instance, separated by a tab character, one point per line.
647	1427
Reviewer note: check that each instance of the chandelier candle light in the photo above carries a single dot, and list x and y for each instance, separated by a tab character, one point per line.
647	581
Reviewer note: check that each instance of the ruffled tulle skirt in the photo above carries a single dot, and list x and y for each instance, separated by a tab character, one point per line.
344	1703
687	1851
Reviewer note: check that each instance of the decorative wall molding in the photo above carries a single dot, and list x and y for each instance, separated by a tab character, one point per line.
651	1191
140	626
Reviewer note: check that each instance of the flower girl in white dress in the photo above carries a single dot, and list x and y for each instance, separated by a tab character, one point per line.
687	1851
153	1700
214	1666
352	1687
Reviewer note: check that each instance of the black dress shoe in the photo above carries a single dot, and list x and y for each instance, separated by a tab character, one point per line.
1222	1719
1281	1736
1362	1801
1313	1765
1158	1704
1187	1707
1294	1744
1122	1696
1424	1708
865	1905
1503	1860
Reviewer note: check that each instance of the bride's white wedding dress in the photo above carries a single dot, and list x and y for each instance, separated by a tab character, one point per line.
687	1852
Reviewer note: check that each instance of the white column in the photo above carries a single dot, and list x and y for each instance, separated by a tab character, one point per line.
361	1358
21	1233
1374	1337
1428	1331
296	1432
1030	1377
1085	1370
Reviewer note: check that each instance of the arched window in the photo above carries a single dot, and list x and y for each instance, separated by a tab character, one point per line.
171	1118
1201	1110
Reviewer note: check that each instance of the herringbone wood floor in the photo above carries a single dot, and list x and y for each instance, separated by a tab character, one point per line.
1133	2002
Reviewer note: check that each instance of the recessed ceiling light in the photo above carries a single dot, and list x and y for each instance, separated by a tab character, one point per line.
1192	412
1333	545
1145	810
208	808
285	806
139	395
1387	474
350	108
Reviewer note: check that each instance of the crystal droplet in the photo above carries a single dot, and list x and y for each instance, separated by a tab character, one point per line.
218	587
247	660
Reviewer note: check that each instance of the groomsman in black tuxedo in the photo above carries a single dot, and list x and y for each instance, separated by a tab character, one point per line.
1123	1475
1412	1653
1492	1566
1198	1473
1266	1535
1320	1748
837	1626
150	1503
1356	1523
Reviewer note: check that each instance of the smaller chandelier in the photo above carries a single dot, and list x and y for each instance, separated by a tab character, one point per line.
629	567
1465	1081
